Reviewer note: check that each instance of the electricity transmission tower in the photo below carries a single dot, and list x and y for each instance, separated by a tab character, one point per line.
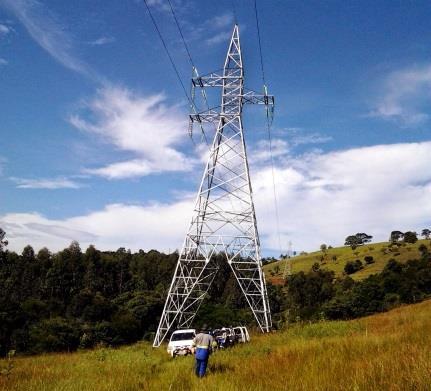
224	220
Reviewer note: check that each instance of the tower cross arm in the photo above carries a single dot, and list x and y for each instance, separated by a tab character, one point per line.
253	97
213	79
210	115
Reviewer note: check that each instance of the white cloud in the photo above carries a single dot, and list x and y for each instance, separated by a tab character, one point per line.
4	30
301	138
261	152
47	32
118	225
46	183
102	41
221	21
160	5
142	125
322	199
325	197
221	28
406	96
3	62
222	36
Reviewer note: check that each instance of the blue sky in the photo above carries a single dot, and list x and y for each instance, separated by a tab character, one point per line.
93	130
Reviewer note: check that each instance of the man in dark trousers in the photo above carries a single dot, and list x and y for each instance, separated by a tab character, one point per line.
203	344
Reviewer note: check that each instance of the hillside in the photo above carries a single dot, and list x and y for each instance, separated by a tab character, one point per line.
336	258
389	351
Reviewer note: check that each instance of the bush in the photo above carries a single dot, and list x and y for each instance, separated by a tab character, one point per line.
54	335
423	249
369	260
353	266
410	237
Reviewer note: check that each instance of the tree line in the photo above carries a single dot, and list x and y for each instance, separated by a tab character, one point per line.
78	299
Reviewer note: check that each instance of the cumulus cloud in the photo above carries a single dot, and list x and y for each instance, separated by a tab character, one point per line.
143	125
3	61
133	226
405	96
46	183
322	197
260	153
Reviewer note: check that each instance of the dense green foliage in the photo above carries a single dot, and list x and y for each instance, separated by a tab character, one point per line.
318	294
71	299
74	299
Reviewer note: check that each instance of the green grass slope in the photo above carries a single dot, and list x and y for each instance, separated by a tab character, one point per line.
389	351
381	253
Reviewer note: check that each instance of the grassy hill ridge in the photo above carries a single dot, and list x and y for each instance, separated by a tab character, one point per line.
336	258
389	351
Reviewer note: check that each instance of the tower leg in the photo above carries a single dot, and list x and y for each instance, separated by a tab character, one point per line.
192	279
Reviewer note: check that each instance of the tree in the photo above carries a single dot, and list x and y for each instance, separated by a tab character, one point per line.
351	241
363	238
410	237
3	241
323	247
395	236
369	259
357	240
426	233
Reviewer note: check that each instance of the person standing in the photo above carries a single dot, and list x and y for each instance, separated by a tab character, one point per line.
203	344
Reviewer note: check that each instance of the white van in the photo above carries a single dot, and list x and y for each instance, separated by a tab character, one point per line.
181	342
241	334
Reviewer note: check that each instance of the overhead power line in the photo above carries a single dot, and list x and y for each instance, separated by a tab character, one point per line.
167	52
260	42
189	99
181	33
268	127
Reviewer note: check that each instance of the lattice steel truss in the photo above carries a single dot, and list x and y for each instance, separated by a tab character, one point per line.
224	218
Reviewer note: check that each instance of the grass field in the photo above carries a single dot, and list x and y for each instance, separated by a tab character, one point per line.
381	252
390	351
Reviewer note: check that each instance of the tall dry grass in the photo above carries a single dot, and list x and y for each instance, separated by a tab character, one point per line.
390	351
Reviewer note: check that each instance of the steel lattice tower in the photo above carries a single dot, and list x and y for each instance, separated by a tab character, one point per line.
224	219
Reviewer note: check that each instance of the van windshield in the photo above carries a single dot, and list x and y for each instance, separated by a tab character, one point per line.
237	331
182	336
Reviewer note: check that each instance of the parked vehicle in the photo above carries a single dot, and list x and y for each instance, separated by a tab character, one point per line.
225	337
241	334
222	338
230	335
181	342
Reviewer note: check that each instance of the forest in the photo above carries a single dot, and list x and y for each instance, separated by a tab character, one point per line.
76	299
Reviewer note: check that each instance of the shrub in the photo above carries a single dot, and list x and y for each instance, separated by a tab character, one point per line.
369	260
353	266
423	249
54	335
